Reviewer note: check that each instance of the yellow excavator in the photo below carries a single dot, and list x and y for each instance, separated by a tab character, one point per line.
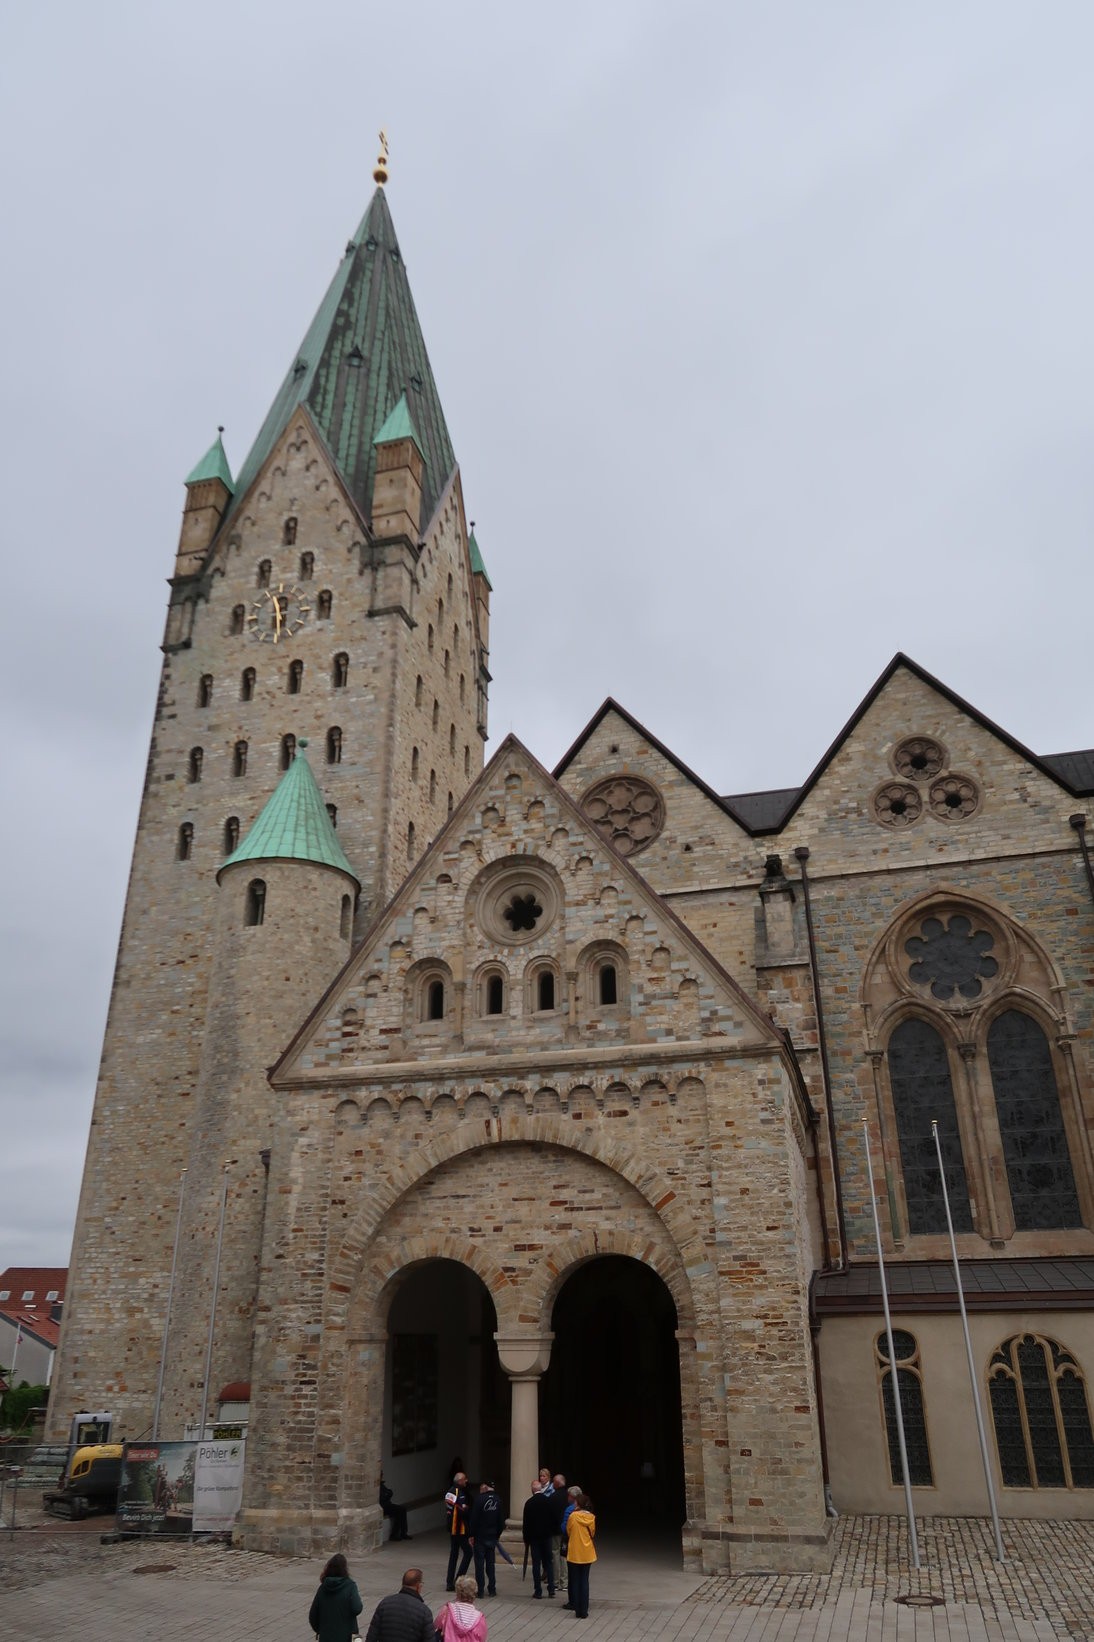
89	1482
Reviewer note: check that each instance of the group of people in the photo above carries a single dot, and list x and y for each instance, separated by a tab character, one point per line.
559	1529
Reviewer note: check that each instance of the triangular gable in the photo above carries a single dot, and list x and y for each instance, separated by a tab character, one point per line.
461	832
1056	771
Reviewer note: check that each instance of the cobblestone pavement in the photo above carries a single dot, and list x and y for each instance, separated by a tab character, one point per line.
59	1577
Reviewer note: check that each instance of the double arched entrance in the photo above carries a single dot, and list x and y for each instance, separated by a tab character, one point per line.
595	1393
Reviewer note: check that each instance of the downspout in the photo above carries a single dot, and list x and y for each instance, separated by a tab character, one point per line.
801	855
1079	823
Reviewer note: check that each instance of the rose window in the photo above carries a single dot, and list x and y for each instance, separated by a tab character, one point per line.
628	812
897	805
951	958
919	758
523	913
954	797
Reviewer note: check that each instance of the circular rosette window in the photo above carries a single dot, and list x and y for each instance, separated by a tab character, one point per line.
954	797
919	758
628	812
896	805
952	958
517	902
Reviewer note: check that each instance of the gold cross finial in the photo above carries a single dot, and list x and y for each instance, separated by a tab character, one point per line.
380	173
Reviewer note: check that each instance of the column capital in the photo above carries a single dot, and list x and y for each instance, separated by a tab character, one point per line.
524	1356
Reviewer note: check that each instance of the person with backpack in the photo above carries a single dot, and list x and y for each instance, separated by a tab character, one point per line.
484	1528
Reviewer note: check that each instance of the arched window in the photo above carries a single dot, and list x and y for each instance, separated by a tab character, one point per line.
436	714
193	769
345	926
1031	1126
262	575
447	663
919	1075
494	998
247	684
239	758
255	908
911	1408
1041	1415
432	786
324	604
339	671
205	689
456	638
608	984
334	745
307	566
295	677
434	1000
418	691
231	835
451	803
186	840
239	619
414	763
332	814
467	761
451	741
463	687
440	611
429	637
288	750
410	841
288	534
545	991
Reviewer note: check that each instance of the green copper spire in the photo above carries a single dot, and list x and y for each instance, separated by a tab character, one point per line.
213	465
294	824
399	425
478	568
363	351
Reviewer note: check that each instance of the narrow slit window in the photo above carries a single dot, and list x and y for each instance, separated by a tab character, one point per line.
345	925
415	762
434	1001
495	995
324	604
239	758
231	835
296	677
332	814
410	841
609	984
418	691
288	750
339	672
263	573
205	689
545	991
197	758
239	618
334	745
307	566
288	534
255	910
247	684
186	840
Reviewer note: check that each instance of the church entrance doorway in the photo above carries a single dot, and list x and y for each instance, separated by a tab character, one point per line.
610	1413
446	1399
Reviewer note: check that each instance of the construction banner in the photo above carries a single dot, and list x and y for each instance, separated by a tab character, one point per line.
218	1486
156	1495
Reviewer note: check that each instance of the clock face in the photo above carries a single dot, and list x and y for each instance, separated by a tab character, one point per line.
278	614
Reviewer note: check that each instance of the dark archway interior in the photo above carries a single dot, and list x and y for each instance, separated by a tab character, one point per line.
610	1416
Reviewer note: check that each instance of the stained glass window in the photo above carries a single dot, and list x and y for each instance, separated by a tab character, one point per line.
1042	1182
911	1407
919	1076
1041	1415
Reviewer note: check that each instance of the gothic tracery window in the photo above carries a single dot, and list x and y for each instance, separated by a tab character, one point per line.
910	1383
919	1076
1027	1102
1041	1415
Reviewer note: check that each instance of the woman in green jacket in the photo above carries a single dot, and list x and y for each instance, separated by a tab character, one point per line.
336	1604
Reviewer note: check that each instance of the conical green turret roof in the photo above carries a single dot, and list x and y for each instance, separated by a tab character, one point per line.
363	351
213	465
478	566
294	825
399	425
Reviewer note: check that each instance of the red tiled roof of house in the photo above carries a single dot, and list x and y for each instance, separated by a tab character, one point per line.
23	1287
37	1323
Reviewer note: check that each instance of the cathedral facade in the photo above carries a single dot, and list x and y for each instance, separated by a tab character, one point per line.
529	1116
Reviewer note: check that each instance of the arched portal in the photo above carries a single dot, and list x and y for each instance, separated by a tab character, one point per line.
445	1396
610	1414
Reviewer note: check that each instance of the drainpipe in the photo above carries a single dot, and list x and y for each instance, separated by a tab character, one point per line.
1079	823
801	855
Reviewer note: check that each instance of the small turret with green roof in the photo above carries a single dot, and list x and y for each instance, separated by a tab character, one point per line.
209	491
294	825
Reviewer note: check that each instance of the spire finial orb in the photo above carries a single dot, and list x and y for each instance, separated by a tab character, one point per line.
380	174
302	743
220	427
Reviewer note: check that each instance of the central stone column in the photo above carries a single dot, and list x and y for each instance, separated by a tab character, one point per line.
524	1358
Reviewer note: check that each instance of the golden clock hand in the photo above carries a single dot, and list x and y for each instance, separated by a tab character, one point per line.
277	613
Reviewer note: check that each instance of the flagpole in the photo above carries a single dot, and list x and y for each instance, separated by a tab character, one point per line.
15	1348
167	1316
1000	1555
894	1372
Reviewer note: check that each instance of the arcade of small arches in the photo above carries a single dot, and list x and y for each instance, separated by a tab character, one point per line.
607	1097
600	981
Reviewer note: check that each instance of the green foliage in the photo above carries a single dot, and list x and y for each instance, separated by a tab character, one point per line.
18	1404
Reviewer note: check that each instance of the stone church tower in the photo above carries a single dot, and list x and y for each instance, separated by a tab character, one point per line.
330	593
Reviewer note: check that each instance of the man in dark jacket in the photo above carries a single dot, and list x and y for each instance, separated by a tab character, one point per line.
484	1530
404	1616
538	1526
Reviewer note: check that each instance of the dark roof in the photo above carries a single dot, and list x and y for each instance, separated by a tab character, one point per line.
928	1285
761	811
363	350
1075	770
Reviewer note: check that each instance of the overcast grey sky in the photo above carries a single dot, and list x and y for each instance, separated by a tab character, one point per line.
763	332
